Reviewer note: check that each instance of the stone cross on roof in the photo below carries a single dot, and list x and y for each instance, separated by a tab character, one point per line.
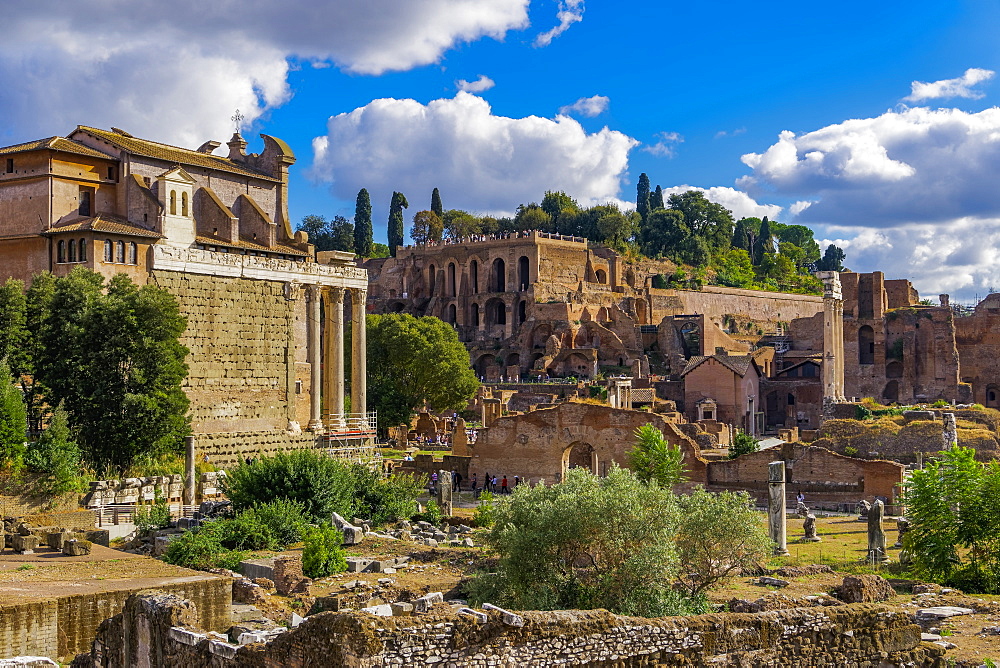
237	120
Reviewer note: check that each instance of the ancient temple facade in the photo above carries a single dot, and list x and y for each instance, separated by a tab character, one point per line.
266	322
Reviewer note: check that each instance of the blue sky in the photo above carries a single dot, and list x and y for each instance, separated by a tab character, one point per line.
697	94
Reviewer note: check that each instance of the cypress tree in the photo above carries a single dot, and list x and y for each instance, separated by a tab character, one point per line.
656	199
363	242
642	196
436	205
395	230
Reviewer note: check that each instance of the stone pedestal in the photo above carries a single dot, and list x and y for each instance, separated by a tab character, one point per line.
776	506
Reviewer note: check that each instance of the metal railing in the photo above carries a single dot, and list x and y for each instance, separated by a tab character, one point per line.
350	423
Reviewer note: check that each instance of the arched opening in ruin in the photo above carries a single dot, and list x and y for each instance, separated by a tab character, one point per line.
866	345
514	360
894	370
496	312
452	314
431	278
579	455
891	392
474	315
602	314
484	362
499	275
992	396
397	307
577	365
774	409
691	339
452	285
522	311
523	277
534	360
540	336
602	276
474	276
641	311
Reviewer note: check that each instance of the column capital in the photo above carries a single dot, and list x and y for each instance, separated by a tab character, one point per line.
335	293
313	291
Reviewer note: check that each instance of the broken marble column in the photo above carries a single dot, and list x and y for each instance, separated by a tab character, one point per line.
776	506
809	527
444	493
902	526
950	431
863	509
876	533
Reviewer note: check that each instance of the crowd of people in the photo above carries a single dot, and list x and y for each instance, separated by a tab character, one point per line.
490	483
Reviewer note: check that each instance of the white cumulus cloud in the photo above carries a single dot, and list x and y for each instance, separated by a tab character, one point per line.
959	87
480	161
587	106
477	86
666	144
176	71
737	201
570	12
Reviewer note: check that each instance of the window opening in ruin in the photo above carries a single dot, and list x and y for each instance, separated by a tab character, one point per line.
522	312
499	275
475	315
866	345
602	276
111	173
83	250
452	290
133	253
120	252
691	339
173	202
579	455
496	313
791	399
10	165
432	275
72	250
474	276
992	397
298	387
109	251
184	204
522	273
61	251
891	392
452	314
85	204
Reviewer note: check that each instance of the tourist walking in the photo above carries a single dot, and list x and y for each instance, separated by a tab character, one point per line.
503	486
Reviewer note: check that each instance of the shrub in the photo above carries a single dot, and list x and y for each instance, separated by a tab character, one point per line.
321	484
588	542
432	513
851	451
202	548
153	516
940	403
322	554
485	514
56	456
285	518
743	443
246	531
653	459
386	499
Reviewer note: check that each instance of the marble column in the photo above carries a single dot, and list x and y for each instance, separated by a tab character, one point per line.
333	385
776	506
359	352
315	365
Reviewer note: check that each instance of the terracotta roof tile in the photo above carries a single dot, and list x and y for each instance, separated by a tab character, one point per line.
243	244
738	364
55	144
173	154
104	222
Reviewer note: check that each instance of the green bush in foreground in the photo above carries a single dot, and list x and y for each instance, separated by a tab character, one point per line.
202	549
154	516
485	514
322	554
431	514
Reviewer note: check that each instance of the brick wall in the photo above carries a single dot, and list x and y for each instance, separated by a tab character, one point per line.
227	449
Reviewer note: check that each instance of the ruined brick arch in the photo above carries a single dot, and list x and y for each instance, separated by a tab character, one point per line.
866	345
431	280
894	369
891	391
452	280
534	361
579	454
577	365
523	273
992	396
522	311
498	276
514	359
540	336
496	312
482	363
452	312
474	314
474	285
642	312
602	277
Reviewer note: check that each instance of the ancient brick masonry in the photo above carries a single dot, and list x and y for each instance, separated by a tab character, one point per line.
857	634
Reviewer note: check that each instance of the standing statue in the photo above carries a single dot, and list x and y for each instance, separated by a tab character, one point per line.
809	527
902	526
801	509
876	534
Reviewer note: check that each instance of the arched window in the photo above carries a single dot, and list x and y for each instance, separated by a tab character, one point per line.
184	204
452	288
602	276
474	276
475	315
521	312
523	277
120	252
61	251
432	277
866	345
72	251
173	202
133	253
452	314
109	251
83	250
499	275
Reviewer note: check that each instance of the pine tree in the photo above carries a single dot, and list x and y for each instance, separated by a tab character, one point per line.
436	205
363	225
395	231
642	196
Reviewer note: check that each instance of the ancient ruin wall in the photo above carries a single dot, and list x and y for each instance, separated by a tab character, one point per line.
241	334
857	634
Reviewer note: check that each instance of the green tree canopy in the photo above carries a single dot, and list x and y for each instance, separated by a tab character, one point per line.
532	217
318	229
13	323
459	224
711	222
436	205
363	224
557	204
412	361
342	234
395	229
743	443
734	269
832	260
655	460
656	199
13	421
115	359
427	226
